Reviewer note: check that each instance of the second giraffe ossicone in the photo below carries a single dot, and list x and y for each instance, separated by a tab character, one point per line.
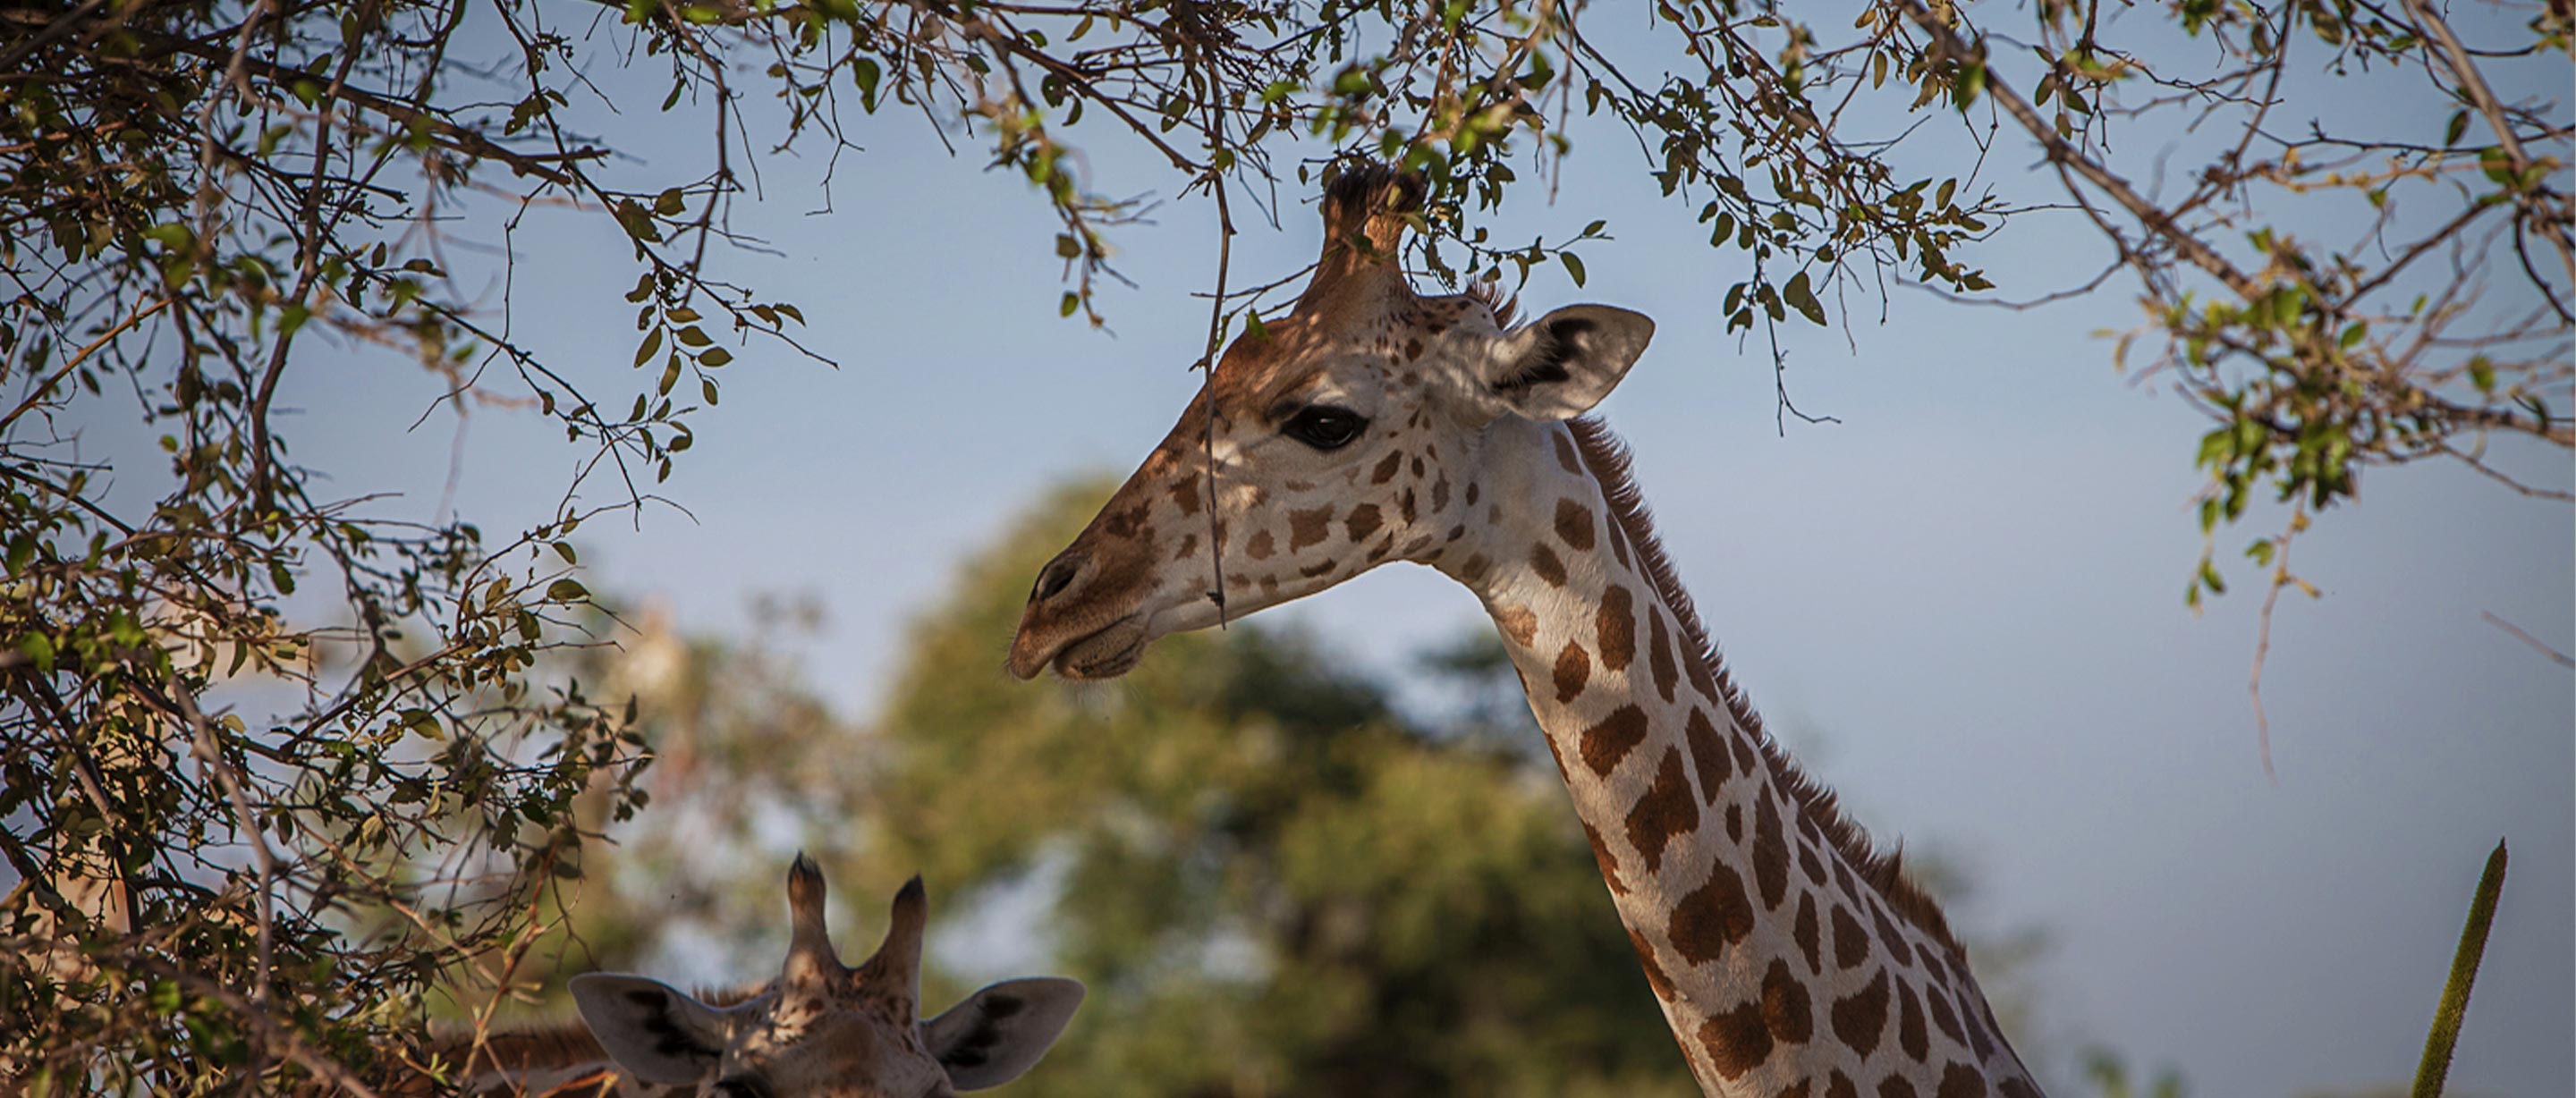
1375	424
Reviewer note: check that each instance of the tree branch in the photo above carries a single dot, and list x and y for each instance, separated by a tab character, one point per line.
1948	43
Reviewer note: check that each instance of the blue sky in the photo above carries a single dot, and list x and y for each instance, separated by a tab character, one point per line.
1965	599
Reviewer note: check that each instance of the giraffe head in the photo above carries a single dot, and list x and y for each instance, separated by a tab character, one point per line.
1352	432
824	1030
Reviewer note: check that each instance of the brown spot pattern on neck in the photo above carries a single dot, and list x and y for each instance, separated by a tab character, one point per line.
1606	459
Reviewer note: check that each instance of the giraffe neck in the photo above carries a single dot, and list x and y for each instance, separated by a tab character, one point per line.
1790	959
560	1060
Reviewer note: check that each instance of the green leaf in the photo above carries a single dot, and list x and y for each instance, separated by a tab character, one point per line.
637	223
1802	297
1071	302
423	723
713	357
865	72
2497	165
2287	302
1573	266
39	650
566	589
1971	81
2214	447
652	343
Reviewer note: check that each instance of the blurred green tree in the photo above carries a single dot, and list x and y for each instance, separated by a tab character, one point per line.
1272	879
1276	881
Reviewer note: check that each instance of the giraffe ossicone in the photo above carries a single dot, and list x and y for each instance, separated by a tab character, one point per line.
1374	424
820	1030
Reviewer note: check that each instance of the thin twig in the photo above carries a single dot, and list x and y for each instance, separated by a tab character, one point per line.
1207	375
58	27
2473	87
211	758
2562	658
2068	156
37	394
2263	634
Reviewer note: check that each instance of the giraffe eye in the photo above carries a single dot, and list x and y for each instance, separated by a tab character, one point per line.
1325	428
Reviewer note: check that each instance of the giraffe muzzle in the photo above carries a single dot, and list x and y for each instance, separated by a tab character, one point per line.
1104	653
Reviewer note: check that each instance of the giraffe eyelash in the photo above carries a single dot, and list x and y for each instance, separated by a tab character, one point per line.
1325	427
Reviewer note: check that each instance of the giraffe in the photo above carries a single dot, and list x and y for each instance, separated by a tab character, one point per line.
820	1030
1372	424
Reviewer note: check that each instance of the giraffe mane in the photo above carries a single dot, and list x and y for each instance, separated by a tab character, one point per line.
1504	304
1883	870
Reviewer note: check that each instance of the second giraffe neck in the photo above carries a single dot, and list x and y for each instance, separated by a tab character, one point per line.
1788	958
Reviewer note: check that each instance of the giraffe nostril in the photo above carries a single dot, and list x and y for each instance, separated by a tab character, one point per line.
1057	576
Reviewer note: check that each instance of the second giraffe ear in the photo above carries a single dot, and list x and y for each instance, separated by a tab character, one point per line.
999	1032
1562	364
652	1030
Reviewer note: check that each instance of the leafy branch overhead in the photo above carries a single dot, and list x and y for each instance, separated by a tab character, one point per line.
278	746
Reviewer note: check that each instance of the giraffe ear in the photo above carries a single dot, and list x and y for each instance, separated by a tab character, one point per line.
1561	365
999	1032
650	1028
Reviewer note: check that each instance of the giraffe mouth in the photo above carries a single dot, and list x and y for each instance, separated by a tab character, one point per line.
1105	654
